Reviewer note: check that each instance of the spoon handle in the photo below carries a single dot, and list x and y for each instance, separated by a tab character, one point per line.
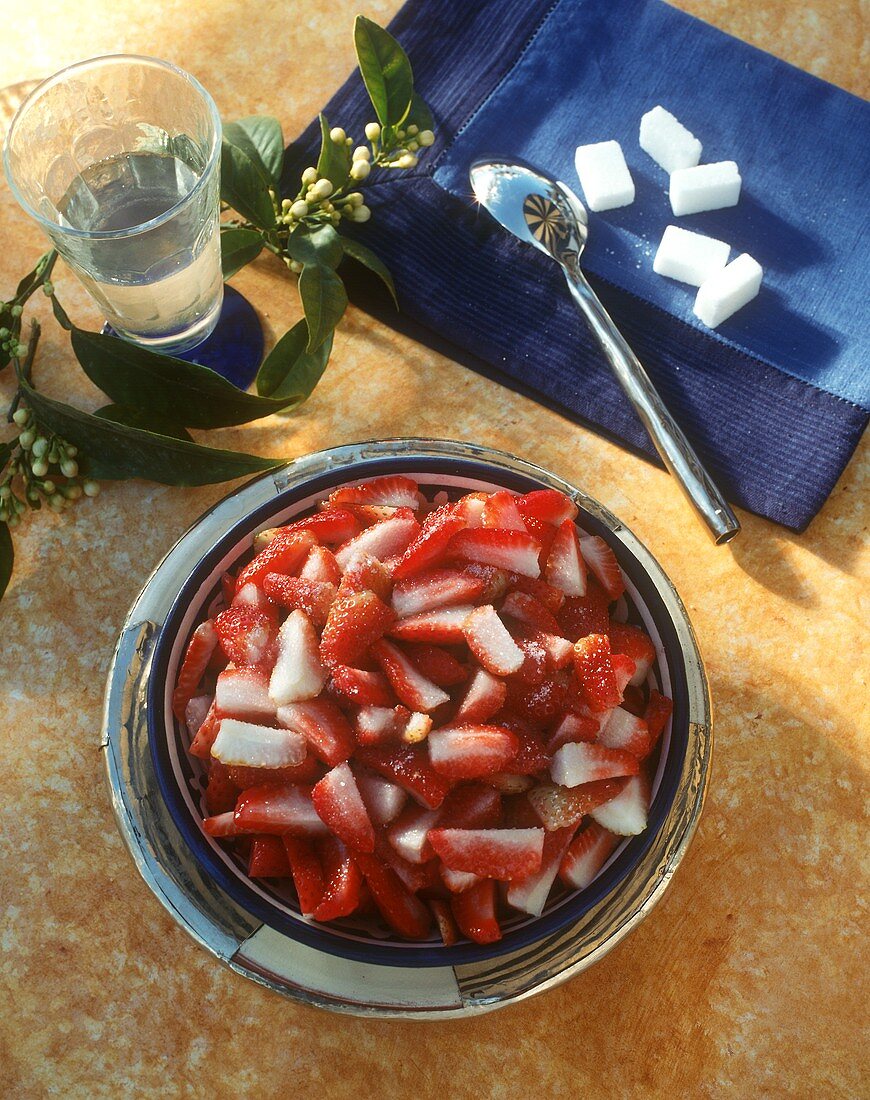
676	451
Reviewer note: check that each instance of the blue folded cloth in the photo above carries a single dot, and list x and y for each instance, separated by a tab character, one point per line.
776	399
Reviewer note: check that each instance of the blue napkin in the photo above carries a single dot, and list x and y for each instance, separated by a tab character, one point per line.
776	399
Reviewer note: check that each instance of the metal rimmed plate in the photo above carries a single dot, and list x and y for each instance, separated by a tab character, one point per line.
267	955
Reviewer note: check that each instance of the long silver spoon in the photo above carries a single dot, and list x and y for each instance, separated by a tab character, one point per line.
547	214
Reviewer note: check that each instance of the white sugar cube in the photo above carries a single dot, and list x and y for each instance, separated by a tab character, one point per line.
705	187
668	141
604	175
689	257
727	290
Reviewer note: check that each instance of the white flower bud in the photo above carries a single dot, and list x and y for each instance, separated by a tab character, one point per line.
407	160
400	134
321	190
362	214
286	204
362	152
309	176
412	130
337	135
299	209
91	488
426	138
413	146
360	170
69	468
39	467
21	416
355	198
373	131
335	217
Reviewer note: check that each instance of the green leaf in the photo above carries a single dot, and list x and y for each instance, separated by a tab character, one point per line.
324	300
318	245
7	557
137	418
419	115
364	255
239	247
164	387
291	371
5	452
260	139
60	314
244	187
112	452
333	163
385	70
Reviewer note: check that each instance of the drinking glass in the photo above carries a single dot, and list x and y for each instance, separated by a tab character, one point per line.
117	158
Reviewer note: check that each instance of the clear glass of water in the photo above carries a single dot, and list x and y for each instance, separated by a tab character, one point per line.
118	160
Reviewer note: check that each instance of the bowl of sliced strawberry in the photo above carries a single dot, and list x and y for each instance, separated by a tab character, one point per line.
433	705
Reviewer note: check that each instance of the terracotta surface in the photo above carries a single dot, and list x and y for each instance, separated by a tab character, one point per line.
746	981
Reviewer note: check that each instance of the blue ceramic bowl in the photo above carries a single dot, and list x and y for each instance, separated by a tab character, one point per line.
456	468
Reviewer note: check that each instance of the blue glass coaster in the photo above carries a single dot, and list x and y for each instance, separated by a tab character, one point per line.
235	347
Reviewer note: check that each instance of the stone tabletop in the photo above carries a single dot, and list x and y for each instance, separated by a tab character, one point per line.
747	980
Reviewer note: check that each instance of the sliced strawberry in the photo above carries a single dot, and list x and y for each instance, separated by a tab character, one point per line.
442	626
433	589
512	550
490	853
552	598
457	881
626	731
634	643
393	490
471	507
518	812
626	814
445	921
470	806
623	670
544	534
633	700
484	697
489	641
530	894
403	912
278	808
284	554
469	752
268	859
228	588
246	634
201	745
384	800
379	725
306	871
408	834
494	580
564	807
526	609
365	573
533	670
323	726
413	876
383	540
370	514
532	757
438	665
429	547
334	526
658	711
299	672
547	505
474	910
315	598
500	510
579	762
565	568
339	804
582	615
252	595
243	693
221	825
355	621
220	792
196	712
537	702
602	562
363	688
572	727
412	688
409	767
196	658
320	565
342	878
301	774
594	670
560	652
586	855
257	746
508	784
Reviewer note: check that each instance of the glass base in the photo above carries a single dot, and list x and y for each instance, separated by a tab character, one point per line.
235	347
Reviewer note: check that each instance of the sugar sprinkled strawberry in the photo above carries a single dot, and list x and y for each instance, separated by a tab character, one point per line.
512	550
580	762
560	807
586	855
489	641
435	588
601	560
565	568
428	548
394	490
339	805
490	853
594	669
474	910
471	751
355	622
196	658
409	684
284	554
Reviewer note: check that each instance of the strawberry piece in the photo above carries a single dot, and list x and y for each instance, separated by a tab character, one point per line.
469	752
411	687
579	762
437	665
429	547
243	693
490	853
403	912
444	919
572	727
315	598
323	726
552	598
500	510
268	859
284	554
408	834
278	808
601	560
532	758
370	514
484	697
306	871
339	804
392	490
634	643
559	651
379	725
433	589
633	701
413	876
471	508
195	713
489	641
586	855
320	565
220	792
543	534
594	670
382	540
526	609
470	806
626	814
474	910
537	702
547	505
252	595
306	772
365	573
457	881
333	525
246	634
228	588
582	615
201	745
355	622
343	881
512	550
495	581
409	767
533	670
626	731
623	670
221	825
443	626
384	800
563	807
530	894
196	658
565	568
658	710
257	746
361	687
299	672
